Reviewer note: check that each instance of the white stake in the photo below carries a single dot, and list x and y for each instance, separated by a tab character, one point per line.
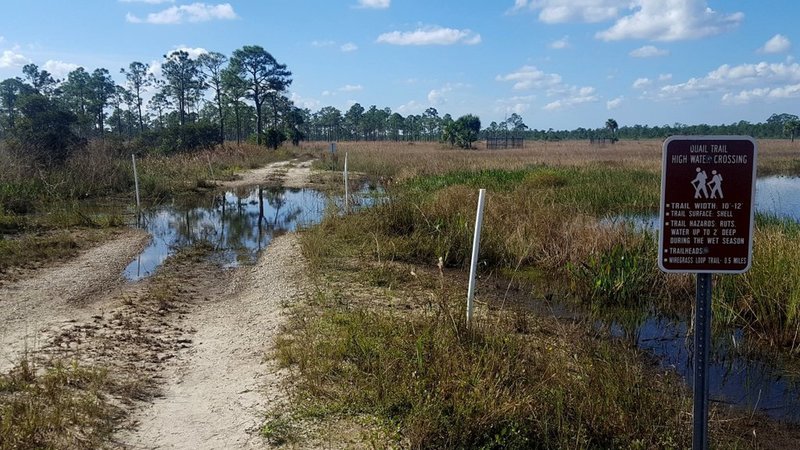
346	189
136	182
476	242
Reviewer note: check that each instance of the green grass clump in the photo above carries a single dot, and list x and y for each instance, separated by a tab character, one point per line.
506	384
766	299
63	406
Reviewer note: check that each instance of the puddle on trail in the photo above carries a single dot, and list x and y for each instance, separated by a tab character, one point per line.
238	226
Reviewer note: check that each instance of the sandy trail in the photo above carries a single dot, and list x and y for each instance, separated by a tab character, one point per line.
290	174
31	309
218	396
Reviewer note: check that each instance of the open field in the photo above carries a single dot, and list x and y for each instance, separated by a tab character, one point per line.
403	160
361	324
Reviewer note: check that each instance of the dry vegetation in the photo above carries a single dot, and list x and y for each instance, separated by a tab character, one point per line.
376	342
402	160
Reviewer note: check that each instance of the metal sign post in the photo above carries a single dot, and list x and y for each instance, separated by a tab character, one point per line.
707	211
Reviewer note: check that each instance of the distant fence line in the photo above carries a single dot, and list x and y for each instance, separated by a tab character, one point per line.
505	142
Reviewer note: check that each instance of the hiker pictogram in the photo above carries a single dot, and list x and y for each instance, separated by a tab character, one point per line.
701	184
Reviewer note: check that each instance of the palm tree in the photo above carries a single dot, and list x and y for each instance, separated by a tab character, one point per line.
612	126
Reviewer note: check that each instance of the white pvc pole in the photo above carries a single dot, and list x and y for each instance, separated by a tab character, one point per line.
476	242
346	189
136	182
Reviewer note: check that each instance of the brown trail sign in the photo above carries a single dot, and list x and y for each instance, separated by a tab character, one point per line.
707	192
707	187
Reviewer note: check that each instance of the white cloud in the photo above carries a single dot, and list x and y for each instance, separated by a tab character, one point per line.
764	94
642	83
560	43
529	77
351	88
574	96
2	39
11	59
304	102
560	11
348	47
438	97
194	53
412	107
59	69
614	103
777	44
374	4
665	77
327	43
752	81
517	104
196	12
430	36
648	51
671	20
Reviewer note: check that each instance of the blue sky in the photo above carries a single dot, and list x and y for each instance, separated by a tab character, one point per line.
558	63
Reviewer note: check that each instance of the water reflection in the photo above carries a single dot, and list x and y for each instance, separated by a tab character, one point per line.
237	224
779	196
733	379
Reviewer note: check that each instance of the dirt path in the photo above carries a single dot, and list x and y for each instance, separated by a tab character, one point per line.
216	398
216	394
291	174
33	308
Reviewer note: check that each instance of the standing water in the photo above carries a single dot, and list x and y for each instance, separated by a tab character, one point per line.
236	225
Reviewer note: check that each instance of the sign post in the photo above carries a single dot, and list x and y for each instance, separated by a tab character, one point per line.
707	192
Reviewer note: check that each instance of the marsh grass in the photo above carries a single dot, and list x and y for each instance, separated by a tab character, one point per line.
63	405
511	381
401	161
766	299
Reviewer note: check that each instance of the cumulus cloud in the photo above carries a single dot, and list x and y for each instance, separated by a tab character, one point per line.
9	58
59	69
648	51
325	43
430	36
374	4
740	84
671	20
194	52
517	104
777	44
574	95
560	11
763	94
348	47
614	103
529	77
565	95
560	43
438	97
659	20
194	13
642	83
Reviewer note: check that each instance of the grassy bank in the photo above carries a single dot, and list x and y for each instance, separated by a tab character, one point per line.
385	337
